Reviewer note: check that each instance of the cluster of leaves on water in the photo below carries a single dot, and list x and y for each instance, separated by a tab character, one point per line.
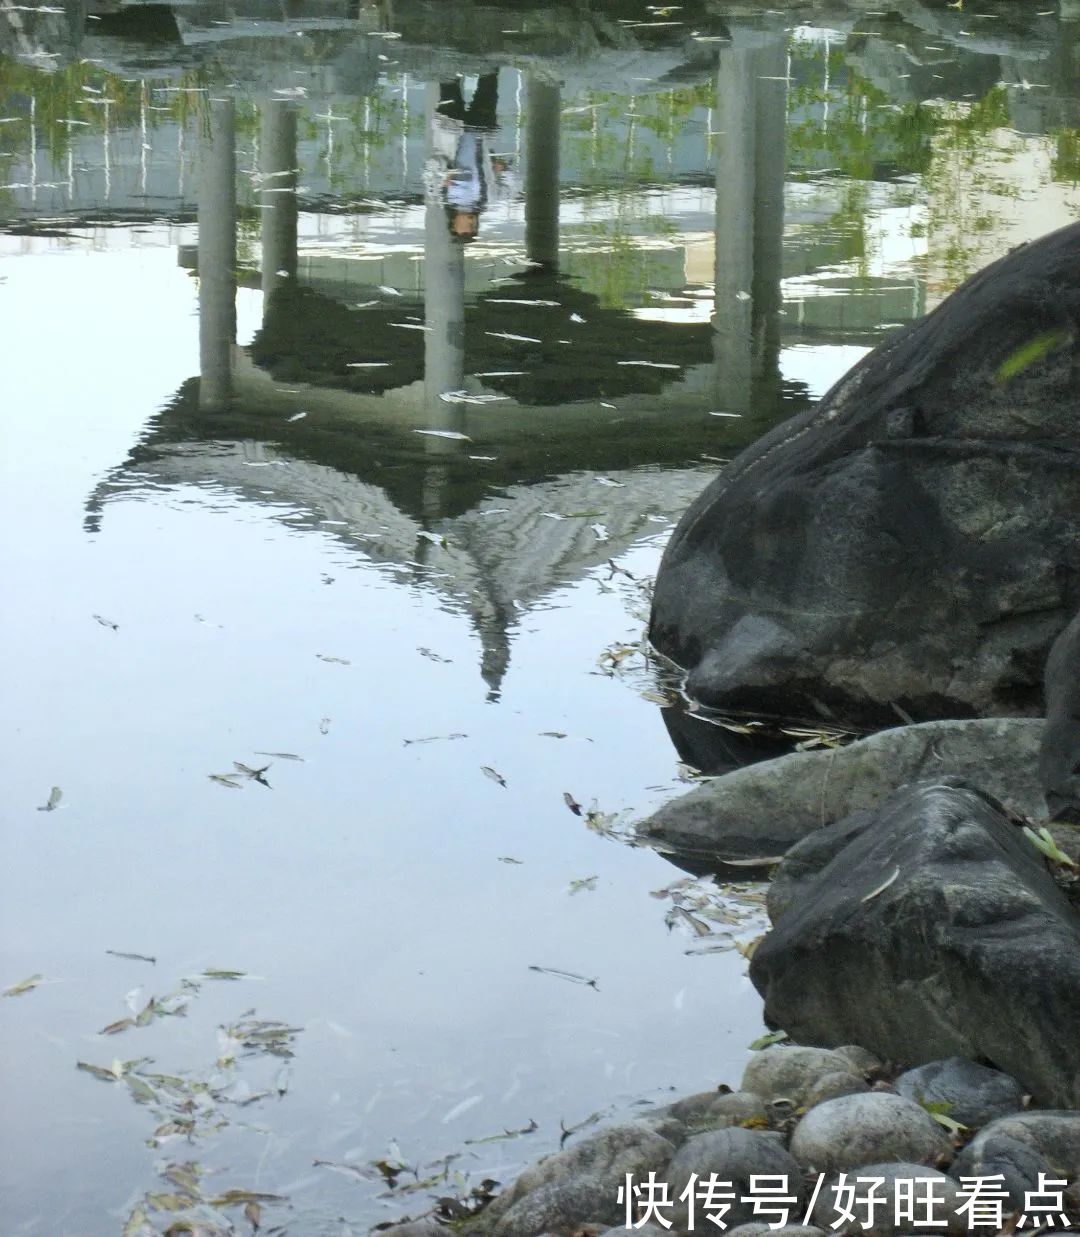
716	916
187	1109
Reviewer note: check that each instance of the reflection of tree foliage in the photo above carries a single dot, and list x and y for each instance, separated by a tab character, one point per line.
1065	161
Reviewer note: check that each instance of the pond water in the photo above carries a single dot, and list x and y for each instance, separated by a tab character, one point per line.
316	485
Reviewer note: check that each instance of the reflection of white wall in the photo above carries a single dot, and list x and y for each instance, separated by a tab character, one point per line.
989	208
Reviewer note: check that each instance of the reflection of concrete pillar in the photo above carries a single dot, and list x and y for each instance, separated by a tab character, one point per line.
751	119
444	308
542	172
277	167
735	159
770	166
217	253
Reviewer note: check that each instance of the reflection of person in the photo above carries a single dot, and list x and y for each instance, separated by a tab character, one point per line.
462	171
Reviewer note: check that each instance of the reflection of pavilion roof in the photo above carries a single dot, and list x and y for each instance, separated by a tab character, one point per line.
498	558
311	338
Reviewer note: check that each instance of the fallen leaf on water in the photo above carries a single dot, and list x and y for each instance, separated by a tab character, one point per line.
453	435
141	1091
55	795
553	734
509	859
495	776
568	975
586	883
106	622
114	1028
146	1015
766	1041
337	661
225	779
253	1214
98	1071
506	1134
572	803
749	948
282	755
434	738
664	699
24	985
324	726
348	1170
116	953
213	972
233	1198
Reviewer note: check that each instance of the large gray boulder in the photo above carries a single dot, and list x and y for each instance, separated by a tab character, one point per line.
928	928
762	810
1059	762
912	539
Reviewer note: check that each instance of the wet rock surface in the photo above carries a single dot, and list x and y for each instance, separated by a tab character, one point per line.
969	1093
762	810
911	540
927	929
1059	762
875	1160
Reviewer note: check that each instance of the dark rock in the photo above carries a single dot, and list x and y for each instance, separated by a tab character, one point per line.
940	1199
714	1110
874	1128
1059	762
975	1095
911	540
764	809
734	1155
579	1184
928	929
1020	1147
786	1230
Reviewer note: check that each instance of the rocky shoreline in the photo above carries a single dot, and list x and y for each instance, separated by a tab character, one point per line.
813	1141
908	548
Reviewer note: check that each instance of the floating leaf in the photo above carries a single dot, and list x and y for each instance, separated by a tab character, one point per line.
337	661
146	1015
116	953
553	734
572	803
766	1041
253	1214
114	1028
225	779
98	1071
509	859
567	975
233	1198
213	972
106	622
495	776
142	1092
24	985
282	755
585	883
53	802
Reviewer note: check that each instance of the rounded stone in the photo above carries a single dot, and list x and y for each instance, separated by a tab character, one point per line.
734	1155
872	1128
834	1085
975	1094
791	1073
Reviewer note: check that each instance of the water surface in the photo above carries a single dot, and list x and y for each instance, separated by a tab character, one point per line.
287	469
